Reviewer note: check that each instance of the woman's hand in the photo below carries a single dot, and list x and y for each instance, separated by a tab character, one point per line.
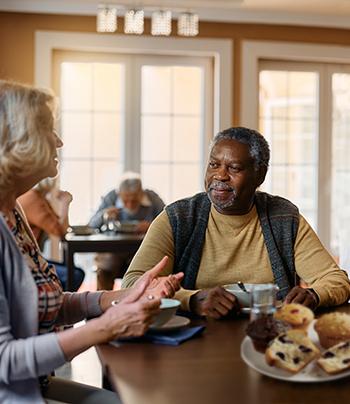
130	317
155	285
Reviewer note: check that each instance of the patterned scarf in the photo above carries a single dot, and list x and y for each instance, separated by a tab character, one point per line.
44	274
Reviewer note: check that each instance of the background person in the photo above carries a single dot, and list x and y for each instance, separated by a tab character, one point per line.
234	233
32	303
129	202
46	221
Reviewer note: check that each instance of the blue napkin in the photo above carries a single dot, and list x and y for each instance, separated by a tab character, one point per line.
174	338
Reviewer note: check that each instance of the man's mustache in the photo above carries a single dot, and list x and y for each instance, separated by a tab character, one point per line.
220	186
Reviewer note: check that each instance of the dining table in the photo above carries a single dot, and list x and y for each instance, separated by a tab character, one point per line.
100	242
207	369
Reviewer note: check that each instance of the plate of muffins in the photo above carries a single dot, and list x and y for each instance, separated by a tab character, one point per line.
294	346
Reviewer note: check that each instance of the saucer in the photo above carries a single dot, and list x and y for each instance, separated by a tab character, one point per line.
174	324
246	310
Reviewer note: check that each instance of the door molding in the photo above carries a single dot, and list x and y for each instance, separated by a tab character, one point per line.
221	50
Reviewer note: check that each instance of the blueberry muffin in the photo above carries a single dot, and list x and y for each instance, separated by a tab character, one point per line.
291	351
297	315
336	359
333	328
263	330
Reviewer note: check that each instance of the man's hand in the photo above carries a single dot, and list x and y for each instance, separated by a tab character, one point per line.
165	286
306	297
215	302
160	286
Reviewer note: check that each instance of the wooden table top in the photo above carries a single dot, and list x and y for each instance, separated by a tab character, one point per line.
208	369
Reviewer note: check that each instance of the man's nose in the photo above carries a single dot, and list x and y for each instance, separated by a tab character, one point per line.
221	173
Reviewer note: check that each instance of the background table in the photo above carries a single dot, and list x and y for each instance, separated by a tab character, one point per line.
120	242
206	370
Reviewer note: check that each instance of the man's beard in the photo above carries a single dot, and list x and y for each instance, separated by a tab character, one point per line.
222	204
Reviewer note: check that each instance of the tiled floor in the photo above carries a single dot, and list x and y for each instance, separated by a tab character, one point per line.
85	368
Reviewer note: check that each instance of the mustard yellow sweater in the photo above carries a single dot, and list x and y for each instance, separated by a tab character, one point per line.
234	250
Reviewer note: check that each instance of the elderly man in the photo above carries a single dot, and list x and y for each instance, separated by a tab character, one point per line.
131	202
233	232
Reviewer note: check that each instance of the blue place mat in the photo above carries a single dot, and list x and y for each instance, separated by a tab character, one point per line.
174	338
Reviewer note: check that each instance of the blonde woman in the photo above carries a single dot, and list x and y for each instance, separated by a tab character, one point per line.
32	303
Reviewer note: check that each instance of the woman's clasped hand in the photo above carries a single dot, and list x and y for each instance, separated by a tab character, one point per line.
137	306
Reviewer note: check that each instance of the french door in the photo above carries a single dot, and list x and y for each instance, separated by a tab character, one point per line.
304	111
150	114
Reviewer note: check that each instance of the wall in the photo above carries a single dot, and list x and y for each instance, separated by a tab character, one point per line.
17	40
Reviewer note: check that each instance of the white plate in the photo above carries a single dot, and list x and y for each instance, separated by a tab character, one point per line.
175	323
310	374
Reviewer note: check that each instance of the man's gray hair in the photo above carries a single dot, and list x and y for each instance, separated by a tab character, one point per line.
131	182
258	147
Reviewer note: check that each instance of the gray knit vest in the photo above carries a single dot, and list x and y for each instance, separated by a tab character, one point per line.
279	220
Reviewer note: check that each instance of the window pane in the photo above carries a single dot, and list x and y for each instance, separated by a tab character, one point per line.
186	132
106	135
76	178
157	178
155	140
184	101
340	231
76	81
105	177
185	180
92	121
156	89
171	129
107	87
289	120
76	134
301	84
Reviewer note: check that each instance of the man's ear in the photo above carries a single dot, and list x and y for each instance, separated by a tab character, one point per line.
261	174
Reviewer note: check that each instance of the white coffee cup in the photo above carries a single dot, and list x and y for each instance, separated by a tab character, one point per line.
242	297
168	309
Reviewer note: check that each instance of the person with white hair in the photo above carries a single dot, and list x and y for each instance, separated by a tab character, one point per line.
32	303
130	202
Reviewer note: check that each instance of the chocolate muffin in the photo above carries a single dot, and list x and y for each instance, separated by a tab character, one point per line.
265	329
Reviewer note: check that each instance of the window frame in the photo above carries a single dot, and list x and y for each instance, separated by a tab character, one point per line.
255	52
221	50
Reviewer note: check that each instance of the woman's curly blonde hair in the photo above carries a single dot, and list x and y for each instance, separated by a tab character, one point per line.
26	119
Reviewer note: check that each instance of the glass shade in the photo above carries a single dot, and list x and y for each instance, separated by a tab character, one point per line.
106	19
161	22
134	22
187	24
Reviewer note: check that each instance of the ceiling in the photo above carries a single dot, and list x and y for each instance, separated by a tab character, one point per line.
326	13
